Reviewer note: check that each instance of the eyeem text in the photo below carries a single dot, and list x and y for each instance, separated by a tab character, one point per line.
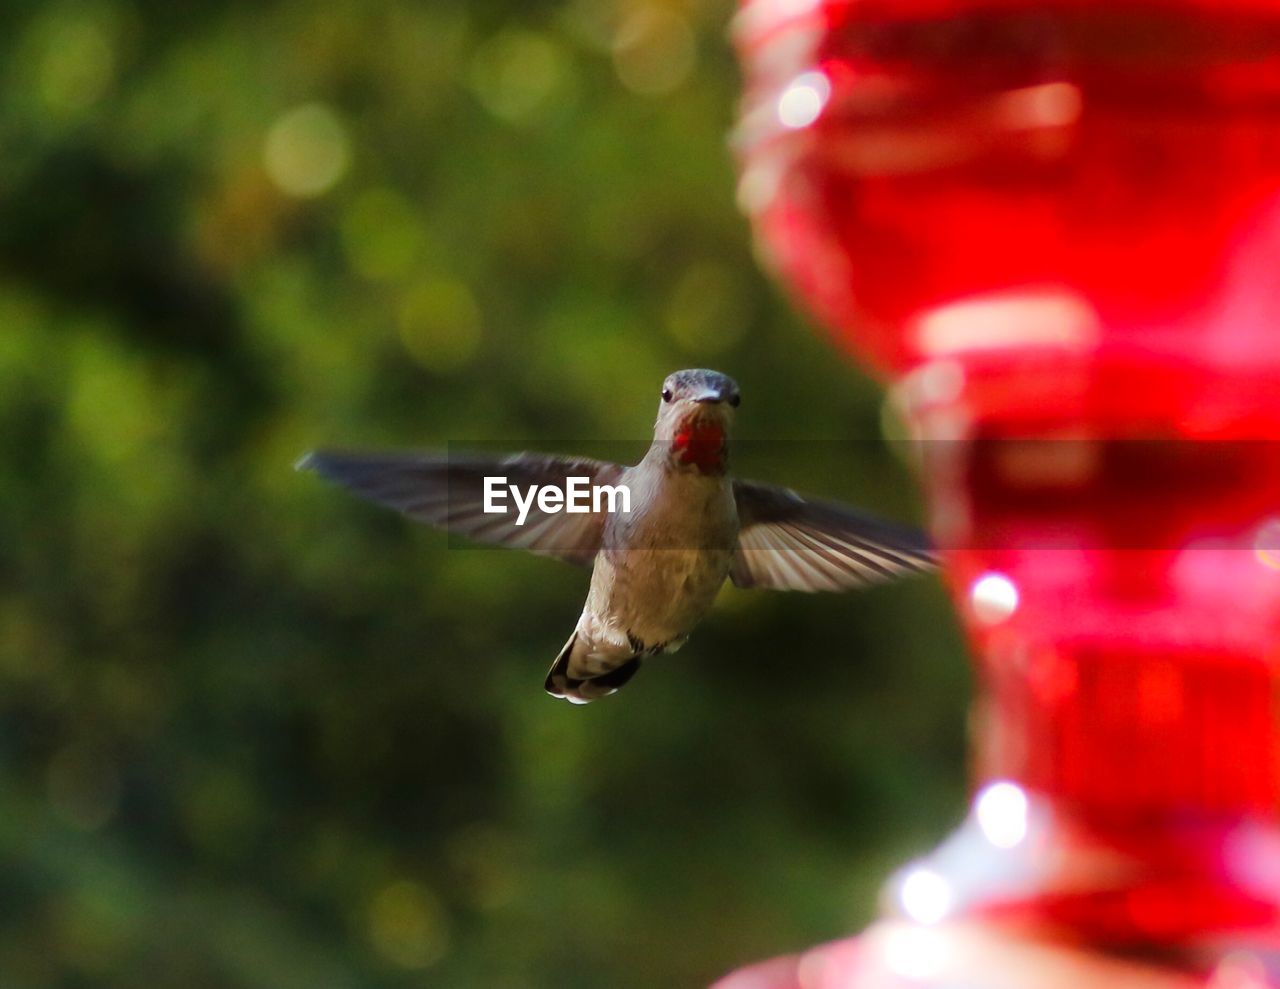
577	497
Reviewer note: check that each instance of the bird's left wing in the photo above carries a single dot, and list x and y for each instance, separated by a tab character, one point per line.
449	492
789	543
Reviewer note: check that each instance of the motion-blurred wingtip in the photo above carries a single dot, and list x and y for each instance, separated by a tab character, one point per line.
308	461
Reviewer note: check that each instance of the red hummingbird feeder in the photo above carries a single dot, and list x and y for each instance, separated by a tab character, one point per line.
1055	228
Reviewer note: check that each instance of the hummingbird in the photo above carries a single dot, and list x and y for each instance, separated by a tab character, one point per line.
659	556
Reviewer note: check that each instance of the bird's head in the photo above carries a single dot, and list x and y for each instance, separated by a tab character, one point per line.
694	415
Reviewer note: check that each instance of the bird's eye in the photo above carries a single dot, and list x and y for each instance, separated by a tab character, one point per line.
735	400
666	394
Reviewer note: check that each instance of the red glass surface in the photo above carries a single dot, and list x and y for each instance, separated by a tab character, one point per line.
1056	227
1110	168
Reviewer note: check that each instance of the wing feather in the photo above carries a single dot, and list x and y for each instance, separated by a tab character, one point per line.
447	491
790	543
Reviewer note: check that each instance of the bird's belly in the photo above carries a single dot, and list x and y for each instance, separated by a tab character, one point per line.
657	596
661	566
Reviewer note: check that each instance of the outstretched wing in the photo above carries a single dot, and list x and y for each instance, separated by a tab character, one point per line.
449	492
789	543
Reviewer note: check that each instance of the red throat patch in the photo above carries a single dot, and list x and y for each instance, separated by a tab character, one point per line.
700	442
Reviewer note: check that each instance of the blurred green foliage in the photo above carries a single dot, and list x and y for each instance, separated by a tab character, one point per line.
257	735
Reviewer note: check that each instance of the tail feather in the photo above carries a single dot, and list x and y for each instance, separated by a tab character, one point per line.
583	690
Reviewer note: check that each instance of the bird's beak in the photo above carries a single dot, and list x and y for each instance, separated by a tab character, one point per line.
709	396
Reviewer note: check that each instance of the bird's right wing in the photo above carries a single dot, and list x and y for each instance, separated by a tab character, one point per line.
449	492
790	543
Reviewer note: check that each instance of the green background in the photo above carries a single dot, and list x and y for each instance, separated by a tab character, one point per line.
257	735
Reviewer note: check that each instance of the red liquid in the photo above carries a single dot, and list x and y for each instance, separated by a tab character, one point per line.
1063	220
1108	171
